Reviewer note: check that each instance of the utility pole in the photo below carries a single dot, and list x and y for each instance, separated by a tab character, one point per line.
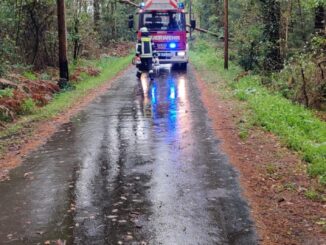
63	61
190	18
226	34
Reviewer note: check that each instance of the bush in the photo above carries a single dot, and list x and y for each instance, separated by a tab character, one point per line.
28	107
7	54
30	75
8	92
250	48
5	114
2	69
303	77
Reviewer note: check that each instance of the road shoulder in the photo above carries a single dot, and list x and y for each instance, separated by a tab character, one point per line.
273	178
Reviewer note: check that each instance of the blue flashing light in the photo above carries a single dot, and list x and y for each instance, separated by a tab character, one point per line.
172	93
172	45
153	91
142	5
181	5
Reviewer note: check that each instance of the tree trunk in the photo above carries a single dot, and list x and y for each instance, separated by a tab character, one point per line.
302	21
288	14
271	11
63	61
304	88
19	19
76	38
320	20
97	15
115	20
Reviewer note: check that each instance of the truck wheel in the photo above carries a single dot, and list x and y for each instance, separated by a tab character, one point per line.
183	66
180	67
138	74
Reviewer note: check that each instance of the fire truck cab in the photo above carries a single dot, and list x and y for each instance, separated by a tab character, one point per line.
166	22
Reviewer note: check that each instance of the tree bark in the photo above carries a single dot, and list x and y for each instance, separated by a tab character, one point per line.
76	38
320	20
63	61
97	15
271	10
304	88
286	28
302	22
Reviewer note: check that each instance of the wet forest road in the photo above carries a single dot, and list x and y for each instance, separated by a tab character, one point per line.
140	165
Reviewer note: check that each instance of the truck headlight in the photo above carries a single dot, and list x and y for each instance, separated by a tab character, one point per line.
181	53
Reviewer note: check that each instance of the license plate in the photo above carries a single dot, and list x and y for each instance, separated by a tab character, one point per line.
165	54
161	46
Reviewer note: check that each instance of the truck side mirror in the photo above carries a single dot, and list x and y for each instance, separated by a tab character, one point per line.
131	22
193	24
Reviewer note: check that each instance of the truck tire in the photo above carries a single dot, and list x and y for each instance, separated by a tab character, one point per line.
183	66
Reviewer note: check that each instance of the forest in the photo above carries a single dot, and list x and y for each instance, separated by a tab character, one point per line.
282	40
29	30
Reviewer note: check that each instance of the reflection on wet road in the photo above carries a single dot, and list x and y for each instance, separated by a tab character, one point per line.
140	165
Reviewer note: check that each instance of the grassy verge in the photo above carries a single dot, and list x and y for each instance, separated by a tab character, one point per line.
296	126
62	101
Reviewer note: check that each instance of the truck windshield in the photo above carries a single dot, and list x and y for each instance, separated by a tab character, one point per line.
167	21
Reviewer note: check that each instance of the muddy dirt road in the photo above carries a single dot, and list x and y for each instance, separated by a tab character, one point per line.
140	165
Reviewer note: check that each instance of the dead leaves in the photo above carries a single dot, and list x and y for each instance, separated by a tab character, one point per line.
7	84
57	242
40	91
6	113
4	175
90	71
29	176
117	49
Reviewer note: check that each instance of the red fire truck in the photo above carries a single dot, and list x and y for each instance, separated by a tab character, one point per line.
166	22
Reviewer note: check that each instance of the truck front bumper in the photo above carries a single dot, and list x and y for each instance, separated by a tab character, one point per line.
173	57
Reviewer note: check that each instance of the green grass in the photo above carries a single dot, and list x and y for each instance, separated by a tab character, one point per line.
62	101
7	92
296	126
109	66
271	168
30	75
28	107
313	195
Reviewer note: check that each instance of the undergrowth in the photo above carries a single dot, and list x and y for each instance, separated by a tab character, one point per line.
296	126
30	75
7	92
28	107
109	67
